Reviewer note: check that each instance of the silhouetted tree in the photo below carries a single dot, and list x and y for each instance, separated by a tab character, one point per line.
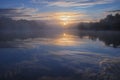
109	23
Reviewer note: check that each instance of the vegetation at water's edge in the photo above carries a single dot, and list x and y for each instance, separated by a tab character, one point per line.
111	22
8	24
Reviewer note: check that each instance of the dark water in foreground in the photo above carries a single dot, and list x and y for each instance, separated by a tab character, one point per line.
53	55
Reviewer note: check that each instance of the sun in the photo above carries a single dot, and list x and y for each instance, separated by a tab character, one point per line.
65	19
64	23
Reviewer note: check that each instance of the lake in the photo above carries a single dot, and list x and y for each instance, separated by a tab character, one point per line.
60	55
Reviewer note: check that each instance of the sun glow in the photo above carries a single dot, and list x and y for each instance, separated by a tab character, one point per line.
65	23
65	20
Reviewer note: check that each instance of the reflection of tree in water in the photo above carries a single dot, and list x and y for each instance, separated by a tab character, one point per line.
109	38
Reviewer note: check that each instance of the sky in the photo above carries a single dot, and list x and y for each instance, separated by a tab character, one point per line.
59	10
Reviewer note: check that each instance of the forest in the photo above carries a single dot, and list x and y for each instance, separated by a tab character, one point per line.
8	24
111	22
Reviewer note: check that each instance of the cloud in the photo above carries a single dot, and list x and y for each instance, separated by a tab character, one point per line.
50	17
17	12
111	11
74	17
72	3
115	11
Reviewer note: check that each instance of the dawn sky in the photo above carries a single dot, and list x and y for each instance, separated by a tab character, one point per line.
56	10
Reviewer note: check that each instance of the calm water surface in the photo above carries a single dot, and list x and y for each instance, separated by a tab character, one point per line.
65	55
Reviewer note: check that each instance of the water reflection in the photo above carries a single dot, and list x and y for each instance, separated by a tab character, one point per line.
61	38
109	38
60	56
66	40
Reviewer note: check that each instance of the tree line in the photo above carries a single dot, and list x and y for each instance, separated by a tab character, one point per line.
111	22
8	24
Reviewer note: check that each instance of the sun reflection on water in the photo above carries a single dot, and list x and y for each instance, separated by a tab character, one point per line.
66	40
62	39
